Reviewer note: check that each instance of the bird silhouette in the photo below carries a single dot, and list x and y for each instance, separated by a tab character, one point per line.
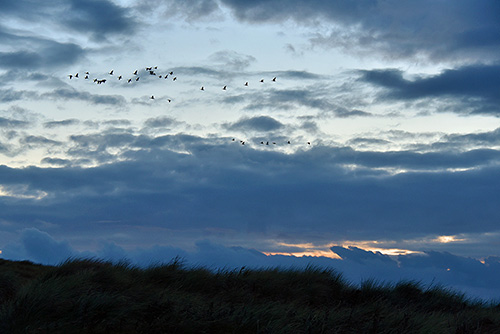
274	79
246	83
119	77
224	88
111	72
152	97
129	80
261	80
175	78
76	75
202	88
137	79
135	72
70	76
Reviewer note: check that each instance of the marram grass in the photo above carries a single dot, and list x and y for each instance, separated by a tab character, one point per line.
94	296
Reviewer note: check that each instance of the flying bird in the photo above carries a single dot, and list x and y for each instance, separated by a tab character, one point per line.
129	80
152	97
175	78
246	83
135	72
70	76
76	75
119	77
137	79
261	80
111	72
202	88
224	88
274	79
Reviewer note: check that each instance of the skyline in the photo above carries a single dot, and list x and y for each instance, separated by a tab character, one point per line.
390	107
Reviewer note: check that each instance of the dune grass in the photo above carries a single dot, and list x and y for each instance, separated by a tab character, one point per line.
94	296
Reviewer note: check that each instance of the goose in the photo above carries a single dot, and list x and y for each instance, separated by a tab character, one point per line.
76	75
202	88
261	80
170	72
137	79
152	97
111	72
86	77
135	72
224	88
70	76
175	78
119	77
169	100
274	79
246	83
129	80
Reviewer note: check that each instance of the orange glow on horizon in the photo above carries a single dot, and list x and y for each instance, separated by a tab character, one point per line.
314	253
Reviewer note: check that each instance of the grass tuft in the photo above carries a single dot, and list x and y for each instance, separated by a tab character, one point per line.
95	296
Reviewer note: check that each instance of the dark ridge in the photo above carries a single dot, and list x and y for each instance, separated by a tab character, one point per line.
96	296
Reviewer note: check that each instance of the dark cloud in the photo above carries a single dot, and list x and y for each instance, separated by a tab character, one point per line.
430	269
160	122
57	161
71	93
258	123
232	60
477	84
66	122
39	140
12	123
96	18
9	95
438	30
197	183
99	18
192	11
39	53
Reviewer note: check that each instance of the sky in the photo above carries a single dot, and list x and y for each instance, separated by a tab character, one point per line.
375	150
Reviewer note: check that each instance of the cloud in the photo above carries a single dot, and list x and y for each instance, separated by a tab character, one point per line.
258	123
397	29
71	93
429	269
66	122
99	18
39	140
476	85
12	123
160	122
187	182
47	53
232	60
96	18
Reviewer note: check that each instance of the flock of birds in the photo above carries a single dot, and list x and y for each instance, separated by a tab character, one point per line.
151	71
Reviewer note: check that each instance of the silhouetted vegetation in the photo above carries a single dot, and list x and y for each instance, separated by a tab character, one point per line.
94	296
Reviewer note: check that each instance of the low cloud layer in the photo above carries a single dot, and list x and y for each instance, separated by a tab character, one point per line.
461	274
